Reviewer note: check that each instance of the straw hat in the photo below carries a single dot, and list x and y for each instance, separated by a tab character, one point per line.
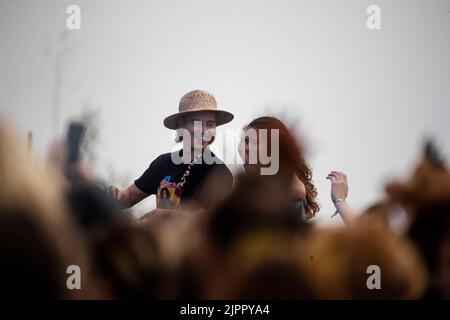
196	101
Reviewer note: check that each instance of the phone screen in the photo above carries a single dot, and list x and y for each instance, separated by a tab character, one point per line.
74	138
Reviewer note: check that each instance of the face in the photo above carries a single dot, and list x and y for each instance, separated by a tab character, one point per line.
164	194
207	124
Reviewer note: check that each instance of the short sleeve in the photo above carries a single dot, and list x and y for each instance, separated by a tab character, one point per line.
149	181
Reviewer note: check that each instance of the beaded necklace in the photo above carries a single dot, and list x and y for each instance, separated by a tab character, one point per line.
188	170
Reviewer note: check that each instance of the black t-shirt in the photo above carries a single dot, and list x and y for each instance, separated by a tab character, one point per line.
163	167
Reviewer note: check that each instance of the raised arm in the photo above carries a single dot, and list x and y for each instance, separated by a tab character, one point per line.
129	196
339	193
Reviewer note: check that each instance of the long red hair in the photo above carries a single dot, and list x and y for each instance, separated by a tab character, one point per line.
291	158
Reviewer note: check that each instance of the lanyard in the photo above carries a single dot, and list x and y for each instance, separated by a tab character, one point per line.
188	171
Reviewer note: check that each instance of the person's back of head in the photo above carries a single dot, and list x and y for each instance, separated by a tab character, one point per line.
256	202
30	262
262	264
365	261
430	232
126	260
425	195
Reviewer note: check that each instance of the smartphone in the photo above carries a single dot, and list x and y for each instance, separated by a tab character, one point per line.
75	137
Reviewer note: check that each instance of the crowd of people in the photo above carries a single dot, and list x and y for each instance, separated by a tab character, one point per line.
215	236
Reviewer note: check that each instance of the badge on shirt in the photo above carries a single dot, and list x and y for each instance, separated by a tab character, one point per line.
168	195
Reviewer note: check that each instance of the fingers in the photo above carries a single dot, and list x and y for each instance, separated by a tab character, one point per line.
337	176
342	175
339	185
334	177
114	192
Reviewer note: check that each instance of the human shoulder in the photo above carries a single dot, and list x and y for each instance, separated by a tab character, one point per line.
220	166
162	159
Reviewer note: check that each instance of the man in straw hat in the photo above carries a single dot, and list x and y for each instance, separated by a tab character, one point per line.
185	176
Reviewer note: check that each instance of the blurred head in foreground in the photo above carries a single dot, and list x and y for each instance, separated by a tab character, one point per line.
342	261
425	196
37	238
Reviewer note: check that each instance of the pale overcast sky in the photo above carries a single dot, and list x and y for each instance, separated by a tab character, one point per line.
363	99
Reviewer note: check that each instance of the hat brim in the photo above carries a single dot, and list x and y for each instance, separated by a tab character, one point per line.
222	117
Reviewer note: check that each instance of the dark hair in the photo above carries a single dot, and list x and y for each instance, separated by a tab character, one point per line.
430	231
164	189
30	259
128	258
291	158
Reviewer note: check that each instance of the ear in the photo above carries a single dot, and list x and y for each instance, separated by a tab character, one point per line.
178	135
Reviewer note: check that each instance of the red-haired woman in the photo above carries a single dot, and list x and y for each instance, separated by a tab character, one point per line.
291	164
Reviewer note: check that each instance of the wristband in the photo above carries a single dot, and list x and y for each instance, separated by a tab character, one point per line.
338	200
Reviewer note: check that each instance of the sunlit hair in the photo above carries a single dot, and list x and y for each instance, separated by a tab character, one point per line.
291	157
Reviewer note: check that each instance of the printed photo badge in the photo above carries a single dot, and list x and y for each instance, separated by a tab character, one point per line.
169	195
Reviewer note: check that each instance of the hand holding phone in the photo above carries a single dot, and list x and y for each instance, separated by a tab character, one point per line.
75	137
74	140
